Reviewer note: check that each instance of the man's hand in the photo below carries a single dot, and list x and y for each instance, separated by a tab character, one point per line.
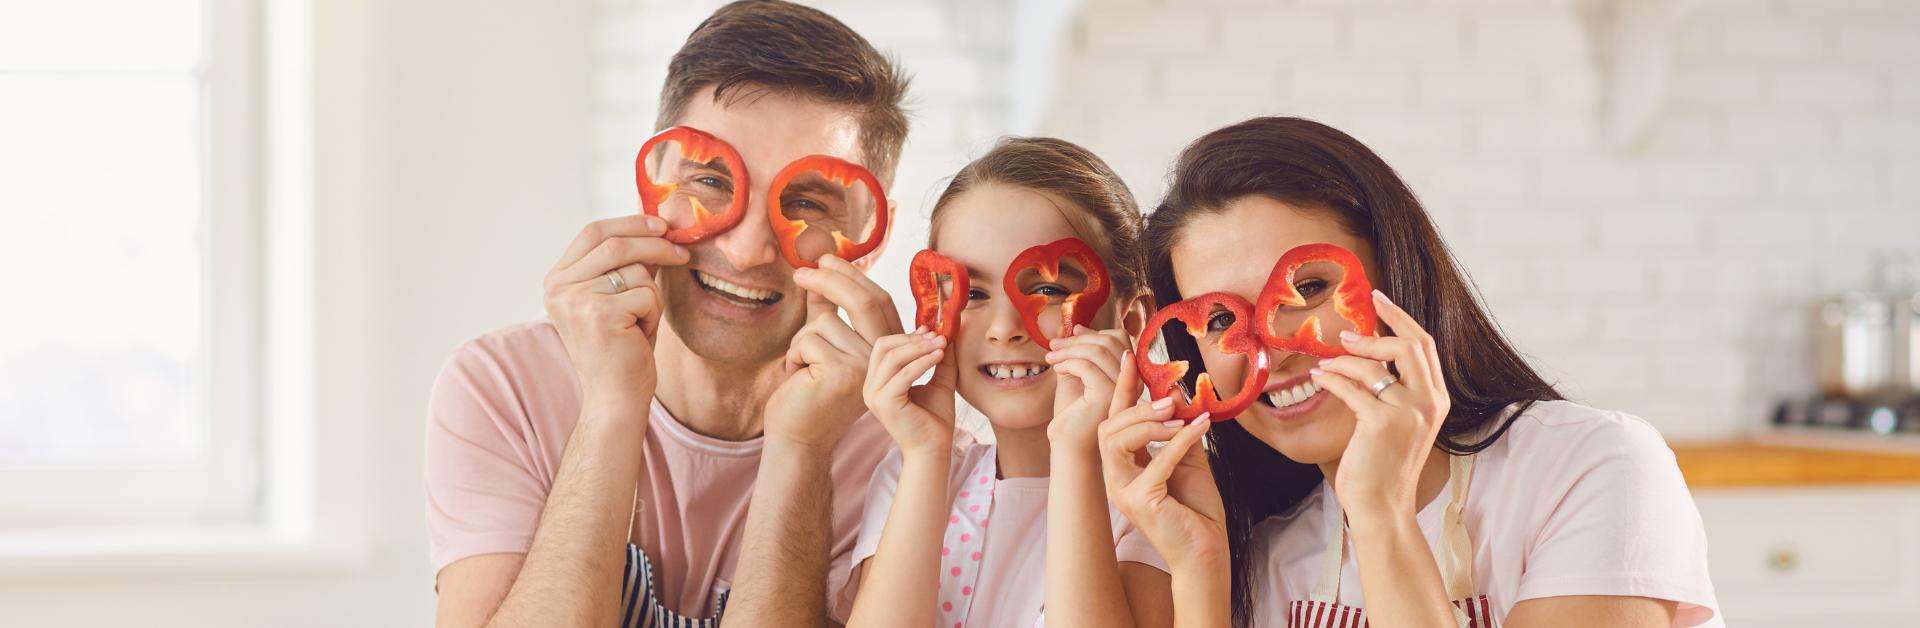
609	333
827	362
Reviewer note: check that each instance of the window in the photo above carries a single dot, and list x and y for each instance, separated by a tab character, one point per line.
131	218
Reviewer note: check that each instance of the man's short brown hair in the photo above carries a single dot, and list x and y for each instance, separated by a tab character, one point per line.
791	48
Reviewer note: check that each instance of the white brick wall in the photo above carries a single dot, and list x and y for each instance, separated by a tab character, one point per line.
1670	279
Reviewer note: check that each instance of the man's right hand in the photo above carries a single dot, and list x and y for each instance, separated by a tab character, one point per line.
609	333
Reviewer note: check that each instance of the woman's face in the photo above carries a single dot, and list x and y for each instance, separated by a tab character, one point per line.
1003	373
1234	251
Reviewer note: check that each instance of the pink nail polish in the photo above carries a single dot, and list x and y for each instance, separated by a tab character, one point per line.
1162	404
1173	422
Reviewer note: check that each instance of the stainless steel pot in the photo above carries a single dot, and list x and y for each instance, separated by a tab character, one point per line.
1855	336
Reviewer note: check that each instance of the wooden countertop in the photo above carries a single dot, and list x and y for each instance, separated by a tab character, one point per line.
1796	459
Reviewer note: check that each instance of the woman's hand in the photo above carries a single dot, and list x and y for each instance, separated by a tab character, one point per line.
920	418
1380	470
1170	497
1086	365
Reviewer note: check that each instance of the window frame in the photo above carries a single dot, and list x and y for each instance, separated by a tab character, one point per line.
258	328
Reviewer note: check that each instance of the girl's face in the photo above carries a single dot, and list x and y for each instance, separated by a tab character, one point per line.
1003	373
1234	251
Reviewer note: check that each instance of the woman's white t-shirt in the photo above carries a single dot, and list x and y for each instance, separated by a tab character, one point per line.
1570	501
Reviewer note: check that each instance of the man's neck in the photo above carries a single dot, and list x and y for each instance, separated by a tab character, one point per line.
722	401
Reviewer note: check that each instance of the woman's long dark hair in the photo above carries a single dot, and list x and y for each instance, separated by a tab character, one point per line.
1311	165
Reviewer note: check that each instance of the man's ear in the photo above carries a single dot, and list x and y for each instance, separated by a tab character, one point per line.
1138	310
866	262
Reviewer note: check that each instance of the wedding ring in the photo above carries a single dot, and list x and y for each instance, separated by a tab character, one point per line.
619	285
1382	385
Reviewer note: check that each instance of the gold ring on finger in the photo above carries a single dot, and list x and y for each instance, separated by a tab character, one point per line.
1382	385
619	285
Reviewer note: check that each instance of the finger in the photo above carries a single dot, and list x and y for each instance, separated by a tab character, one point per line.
1176	450
1126	390
1092	378
1404	326
869	308
1361	370
836	331
1408	356
1155	411
902	381
618	252
1356	397
1107	360
897	358
590	236
1116	457
1135	437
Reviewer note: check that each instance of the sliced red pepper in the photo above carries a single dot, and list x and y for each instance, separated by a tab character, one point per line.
924	277
1238	338
1079	308
839	171
703	147
1352	299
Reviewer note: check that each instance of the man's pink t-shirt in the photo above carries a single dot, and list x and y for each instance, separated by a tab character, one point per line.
500	416
1011	586
1570	501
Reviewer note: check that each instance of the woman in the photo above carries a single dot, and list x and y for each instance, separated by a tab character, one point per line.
1471	493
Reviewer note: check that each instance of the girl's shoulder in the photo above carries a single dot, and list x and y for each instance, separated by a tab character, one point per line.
1563	430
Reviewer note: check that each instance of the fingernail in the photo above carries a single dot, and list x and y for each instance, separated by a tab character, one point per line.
1349	336
656	223
802	274
940	340
1081	329
1316	372
1173	422
1163	403
1055	343
1326	361
1204	418
1126	356
1377	294
1051	355
682	251
920	330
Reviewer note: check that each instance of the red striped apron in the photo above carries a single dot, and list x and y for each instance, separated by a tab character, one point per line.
1322	609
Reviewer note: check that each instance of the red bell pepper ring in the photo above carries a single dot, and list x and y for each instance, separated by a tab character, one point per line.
1238	338
1079	308
839	171
923	276
703	147
1353	300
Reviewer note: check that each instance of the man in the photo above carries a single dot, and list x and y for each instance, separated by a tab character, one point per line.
725	439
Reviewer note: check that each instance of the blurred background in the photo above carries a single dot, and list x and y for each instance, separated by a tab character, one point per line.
239	237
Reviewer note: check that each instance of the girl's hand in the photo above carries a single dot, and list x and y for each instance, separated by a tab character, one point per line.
1087	364
1380	470
920	418
1170	497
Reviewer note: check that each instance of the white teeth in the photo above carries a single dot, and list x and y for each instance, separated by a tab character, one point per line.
1292	395
729	287
1014	372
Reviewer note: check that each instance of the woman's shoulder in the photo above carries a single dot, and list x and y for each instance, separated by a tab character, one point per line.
1551	429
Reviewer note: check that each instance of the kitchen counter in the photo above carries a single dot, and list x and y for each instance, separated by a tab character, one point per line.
1797	458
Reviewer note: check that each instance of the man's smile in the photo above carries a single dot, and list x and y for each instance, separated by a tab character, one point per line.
750	298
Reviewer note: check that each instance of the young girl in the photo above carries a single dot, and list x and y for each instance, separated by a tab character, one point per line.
959	533
1431	477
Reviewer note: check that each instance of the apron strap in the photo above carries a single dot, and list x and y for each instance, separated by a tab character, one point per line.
1454	555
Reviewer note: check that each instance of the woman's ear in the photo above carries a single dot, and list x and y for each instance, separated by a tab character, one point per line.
1136	313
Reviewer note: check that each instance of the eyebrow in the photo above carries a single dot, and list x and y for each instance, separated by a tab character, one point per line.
717	164
818	186
975	274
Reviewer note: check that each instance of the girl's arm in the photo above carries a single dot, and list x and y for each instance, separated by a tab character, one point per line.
900	583
1171	497
1085	585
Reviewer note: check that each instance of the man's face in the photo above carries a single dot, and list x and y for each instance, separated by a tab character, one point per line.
735	301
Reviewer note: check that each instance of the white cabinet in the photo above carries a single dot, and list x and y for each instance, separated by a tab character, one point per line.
1815	556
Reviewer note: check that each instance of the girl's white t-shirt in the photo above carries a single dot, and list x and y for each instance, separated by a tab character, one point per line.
1011	587
1570	501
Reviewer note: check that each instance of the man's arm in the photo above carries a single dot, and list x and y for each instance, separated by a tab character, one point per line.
782	574
571	575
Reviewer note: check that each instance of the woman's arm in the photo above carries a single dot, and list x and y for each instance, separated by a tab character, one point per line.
1085	585
900	583
1171	498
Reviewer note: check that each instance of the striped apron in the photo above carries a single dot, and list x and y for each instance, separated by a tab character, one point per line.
639	608
1455	557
